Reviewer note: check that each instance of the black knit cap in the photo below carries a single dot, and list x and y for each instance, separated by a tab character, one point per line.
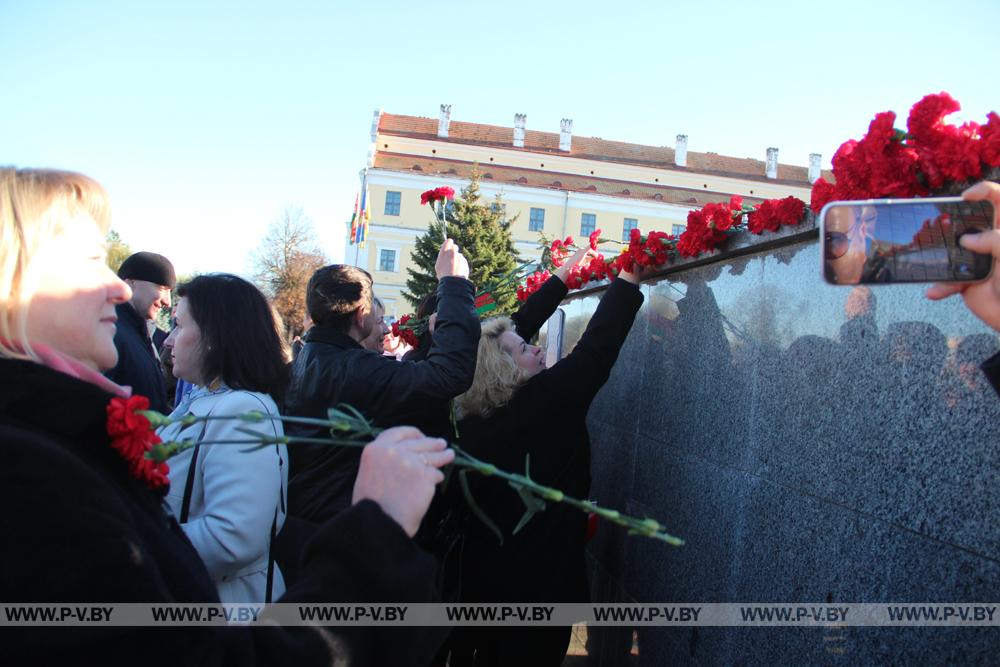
148	266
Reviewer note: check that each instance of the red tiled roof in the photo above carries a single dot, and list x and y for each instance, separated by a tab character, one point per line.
534	178
590	148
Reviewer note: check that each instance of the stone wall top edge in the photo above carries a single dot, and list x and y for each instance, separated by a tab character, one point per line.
741	243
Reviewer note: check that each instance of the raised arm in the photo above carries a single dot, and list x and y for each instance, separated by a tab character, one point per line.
539	307
576	379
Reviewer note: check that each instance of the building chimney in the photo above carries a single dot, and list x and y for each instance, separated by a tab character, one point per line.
372	146
814	166
681	152
519	121
771	167
565	134
443	120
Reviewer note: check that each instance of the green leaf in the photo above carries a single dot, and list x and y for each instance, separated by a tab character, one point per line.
532	506
480	514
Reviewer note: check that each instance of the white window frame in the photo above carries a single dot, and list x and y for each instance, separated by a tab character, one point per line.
379	247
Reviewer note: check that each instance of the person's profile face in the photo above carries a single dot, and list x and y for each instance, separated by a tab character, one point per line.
529	358
72	307
844	242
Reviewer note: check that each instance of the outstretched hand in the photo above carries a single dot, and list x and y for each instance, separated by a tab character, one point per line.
982	298
399	471
580	257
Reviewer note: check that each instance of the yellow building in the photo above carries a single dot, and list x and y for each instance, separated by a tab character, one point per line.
555	182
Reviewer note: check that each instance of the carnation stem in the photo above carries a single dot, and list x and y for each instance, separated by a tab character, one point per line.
359	431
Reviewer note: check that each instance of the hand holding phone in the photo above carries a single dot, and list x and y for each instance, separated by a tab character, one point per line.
982	298
904	240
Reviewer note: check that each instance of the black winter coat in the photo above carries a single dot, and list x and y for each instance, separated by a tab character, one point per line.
333	368
78	528
138	366
546	419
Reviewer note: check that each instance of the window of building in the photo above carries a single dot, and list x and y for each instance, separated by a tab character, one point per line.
627	227
677	230
387	260
499	208
392	200
536	221
588	223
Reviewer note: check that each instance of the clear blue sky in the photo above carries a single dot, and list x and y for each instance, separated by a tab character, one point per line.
204	119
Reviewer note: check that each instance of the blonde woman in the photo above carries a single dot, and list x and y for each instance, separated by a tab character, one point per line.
518	408
82	524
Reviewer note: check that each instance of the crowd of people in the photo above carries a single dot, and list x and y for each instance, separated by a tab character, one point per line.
297	522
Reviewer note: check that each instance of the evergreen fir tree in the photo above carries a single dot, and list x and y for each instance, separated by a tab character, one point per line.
482	233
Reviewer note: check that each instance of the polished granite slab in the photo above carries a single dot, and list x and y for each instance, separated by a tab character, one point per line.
811	443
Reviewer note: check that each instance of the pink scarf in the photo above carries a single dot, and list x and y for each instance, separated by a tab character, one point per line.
64	363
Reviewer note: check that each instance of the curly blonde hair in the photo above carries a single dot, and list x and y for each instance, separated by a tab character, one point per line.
497	376
35	207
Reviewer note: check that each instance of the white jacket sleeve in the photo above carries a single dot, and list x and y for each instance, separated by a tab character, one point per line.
241	491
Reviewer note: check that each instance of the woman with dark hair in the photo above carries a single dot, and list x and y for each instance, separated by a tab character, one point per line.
230	500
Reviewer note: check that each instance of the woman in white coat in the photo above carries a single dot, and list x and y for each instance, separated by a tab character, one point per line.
229	499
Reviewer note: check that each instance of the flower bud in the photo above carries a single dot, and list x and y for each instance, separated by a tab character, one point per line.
555	495
651	526
155	418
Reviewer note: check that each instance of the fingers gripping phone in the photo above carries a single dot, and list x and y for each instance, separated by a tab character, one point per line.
903	240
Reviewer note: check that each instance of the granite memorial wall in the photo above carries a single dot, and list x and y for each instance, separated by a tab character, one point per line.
810	443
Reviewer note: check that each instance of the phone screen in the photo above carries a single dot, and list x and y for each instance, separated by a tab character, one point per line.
903	241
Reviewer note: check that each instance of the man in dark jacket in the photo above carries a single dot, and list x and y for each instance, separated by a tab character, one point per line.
151	278
333	368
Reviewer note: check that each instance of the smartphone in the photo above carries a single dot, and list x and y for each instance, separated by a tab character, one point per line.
903	241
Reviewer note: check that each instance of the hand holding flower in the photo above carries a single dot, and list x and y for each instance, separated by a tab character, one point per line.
580	258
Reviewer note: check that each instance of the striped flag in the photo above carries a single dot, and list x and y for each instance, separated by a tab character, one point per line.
354	220
363	218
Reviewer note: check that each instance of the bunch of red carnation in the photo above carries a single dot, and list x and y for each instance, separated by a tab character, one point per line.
887	162
132	436
437	194
405	331
653	249
710	226
532	284
771	214
560	250
596	269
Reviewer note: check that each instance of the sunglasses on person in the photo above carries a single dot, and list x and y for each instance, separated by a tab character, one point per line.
835	245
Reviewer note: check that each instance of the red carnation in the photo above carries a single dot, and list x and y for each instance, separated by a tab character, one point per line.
532	284
595	236
591	527
132	437
877	166
946	152
437	194
122	417
822	194
405	333
990	138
